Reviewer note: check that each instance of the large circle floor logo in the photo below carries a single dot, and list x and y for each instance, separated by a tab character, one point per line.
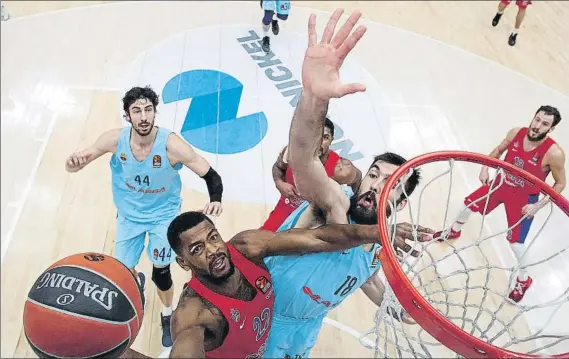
234	103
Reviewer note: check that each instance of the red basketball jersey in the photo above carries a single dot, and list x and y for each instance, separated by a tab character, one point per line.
530	161
249	322
285	206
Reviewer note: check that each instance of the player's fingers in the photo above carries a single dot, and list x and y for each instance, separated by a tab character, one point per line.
351	41
312	30
351	89
75	161
345	31
207	209
331	26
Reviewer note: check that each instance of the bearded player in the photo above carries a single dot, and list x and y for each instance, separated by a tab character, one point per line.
309	286
529	148
340	169
146	189
226	309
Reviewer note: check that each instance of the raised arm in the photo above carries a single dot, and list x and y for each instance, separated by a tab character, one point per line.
107	142
327	238
320	77
287	190
188	329
179	151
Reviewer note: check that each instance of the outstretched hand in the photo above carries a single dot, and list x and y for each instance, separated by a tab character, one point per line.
322	61
406	231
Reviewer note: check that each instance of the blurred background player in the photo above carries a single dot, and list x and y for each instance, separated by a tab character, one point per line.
340	169
270	7
529	148
226	309
522	6
146	189
5	14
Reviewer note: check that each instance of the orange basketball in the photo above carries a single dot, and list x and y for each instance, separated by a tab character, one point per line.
84	305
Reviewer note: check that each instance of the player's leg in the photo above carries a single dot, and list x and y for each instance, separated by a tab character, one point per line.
283	9
516	235
162	255
5	14
129	244
522	7
269	8
501	7
474	202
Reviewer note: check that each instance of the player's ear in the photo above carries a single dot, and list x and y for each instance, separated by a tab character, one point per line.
182	263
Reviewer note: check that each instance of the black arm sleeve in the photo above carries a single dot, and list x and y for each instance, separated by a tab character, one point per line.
214	185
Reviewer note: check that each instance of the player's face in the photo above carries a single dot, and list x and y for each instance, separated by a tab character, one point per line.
363	205
326	141
205	253
141	116
540	126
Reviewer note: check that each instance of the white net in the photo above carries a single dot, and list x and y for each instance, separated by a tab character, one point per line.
468	280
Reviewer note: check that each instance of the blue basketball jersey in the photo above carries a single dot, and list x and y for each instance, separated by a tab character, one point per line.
147	190
311	285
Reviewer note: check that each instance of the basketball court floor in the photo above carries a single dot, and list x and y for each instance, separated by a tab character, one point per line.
451	83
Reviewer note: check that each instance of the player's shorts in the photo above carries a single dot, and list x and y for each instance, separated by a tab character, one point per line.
292	337
522	4
281	7
513	202
130	240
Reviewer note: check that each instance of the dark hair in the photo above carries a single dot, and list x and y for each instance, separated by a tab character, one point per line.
395	159
328	123
550	111
182	223
137	93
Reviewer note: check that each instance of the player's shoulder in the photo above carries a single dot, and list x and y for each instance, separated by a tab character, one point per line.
190	302
556	153
513	132
251	243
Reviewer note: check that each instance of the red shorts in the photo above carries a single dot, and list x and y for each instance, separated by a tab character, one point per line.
522	4
513	202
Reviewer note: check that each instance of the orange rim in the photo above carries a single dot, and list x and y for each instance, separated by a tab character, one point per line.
426	316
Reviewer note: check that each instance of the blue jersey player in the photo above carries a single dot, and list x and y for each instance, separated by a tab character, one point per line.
146	189
270	7
309	286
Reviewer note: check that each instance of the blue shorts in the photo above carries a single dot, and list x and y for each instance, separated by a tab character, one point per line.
281	7
291	337
130	239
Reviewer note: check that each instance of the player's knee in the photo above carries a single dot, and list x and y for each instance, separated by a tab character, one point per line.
282	16
268	17
162	277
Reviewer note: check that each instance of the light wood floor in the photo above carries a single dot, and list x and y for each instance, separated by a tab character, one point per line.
59	214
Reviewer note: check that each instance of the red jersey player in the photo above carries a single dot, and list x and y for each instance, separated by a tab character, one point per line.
339	169
533	150
226	309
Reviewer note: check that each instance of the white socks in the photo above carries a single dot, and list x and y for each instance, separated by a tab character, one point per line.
519	249
166	311
266	29
465	213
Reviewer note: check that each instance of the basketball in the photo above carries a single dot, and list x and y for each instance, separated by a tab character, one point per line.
84	305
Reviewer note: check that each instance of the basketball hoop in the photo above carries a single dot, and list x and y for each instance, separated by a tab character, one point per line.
465	327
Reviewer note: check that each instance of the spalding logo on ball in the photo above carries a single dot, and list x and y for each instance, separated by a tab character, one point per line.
84	305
